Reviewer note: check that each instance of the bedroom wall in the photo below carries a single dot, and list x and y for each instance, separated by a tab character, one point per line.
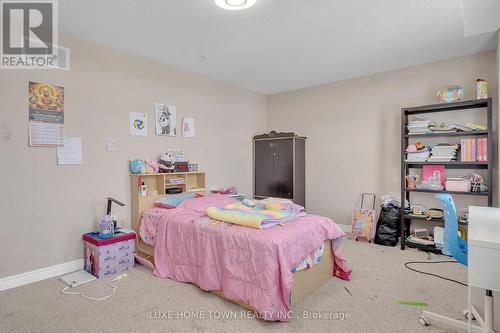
45	208
353	128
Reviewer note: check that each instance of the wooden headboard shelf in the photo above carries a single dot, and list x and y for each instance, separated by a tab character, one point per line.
159	182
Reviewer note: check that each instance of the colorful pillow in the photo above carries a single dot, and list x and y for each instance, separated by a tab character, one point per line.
173	200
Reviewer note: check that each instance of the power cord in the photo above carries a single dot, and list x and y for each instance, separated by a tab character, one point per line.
432	274
116	280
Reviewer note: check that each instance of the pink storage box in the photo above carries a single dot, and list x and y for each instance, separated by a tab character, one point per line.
458	185
107	257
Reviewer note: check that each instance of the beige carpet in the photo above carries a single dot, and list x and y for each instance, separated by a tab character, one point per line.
379	280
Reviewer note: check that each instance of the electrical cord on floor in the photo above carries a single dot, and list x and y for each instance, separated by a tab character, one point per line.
432	274
113	283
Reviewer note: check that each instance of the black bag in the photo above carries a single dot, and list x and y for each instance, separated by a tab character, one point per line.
388	227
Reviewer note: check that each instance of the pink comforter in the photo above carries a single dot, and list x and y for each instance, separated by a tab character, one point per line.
248	265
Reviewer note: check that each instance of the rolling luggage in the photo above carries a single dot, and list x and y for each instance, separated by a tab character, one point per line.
364	220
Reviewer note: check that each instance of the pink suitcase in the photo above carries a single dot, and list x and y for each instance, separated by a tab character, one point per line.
364	220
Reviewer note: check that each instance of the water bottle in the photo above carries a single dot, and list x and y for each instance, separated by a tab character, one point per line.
106	229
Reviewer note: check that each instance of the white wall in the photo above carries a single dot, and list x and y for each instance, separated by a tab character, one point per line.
353	128
46	208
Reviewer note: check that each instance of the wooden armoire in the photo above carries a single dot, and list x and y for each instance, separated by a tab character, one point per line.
279	166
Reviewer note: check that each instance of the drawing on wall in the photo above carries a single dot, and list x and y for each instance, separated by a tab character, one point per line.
138	124
166	121
46	114
188	127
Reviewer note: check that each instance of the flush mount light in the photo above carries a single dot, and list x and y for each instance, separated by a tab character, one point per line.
235	4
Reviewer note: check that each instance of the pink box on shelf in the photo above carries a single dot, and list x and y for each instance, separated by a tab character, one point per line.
437	172
458	185
107	257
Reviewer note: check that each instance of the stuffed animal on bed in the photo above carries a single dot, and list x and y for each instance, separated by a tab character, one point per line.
167	163
137	166
152	166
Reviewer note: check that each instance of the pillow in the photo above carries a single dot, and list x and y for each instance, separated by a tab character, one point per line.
173	200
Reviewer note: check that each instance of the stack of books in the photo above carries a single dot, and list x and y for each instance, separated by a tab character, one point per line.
470	127
418	127
419	156
444	152
473	150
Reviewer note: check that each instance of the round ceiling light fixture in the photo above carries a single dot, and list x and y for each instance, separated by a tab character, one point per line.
235	4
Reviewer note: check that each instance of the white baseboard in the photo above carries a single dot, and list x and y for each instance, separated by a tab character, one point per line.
40	274
345	228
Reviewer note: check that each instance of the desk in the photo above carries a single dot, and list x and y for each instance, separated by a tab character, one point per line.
484	247
484	270
484	254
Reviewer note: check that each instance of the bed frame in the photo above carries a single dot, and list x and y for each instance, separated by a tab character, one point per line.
305	282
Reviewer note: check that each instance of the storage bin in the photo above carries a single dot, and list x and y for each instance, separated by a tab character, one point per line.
107	257
458	185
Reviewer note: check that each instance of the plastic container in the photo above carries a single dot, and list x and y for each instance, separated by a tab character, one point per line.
458	185
106	228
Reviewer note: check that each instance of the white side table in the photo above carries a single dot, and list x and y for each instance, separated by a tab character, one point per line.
483	269
484	259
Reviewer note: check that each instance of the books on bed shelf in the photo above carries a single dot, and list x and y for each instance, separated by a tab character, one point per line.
473	150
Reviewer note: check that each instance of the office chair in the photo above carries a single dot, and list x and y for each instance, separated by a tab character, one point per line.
458	250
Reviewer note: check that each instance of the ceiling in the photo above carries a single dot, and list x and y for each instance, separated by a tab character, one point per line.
279	45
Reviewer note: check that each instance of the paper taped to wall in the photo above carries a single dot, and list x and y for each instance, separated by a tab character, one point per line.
46	134
71	152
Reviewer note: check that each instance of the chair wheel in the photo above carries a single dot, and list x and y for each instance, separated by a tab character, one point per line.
356	238
423	321
369	240
468	315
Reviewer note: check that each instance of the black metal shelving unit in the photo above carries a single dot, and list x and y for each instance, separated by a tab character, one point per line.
483	104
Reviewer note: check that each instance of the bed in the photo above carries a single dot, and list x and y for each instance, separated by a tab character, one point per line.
251	267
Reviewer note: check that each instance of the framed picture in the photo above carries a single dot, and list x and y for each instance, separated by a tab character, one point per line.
138	124
188	127
166	119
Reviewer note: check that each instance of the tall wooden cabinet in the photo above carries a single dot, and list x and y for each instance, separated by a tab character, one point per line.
279	166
